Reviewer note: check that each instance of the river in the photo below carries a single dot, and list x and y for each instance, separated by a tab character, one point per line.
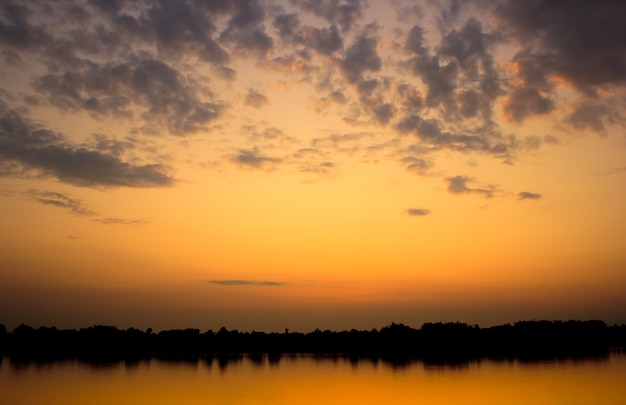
305	379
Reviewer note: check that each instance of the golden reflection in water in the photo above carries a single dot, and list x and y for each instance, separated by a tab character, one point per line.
307	380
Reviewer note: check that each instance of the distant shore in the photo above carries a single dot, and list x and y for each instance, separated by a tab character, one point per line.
432	342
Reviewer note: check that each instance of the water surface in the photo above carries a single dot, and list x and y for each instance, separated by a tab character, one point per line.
302	379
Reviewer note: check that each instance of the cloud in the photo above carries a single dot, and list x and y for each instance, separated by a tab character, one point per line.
417	212
551	140
248	283
322	40
30	147
245	30
338	140
527	195
151	66
252	158
226	73
418	165
591	115
164	97
524	102
361	57
121	221
181	27
75	205
432	132
287	25
15	30
255	99
579	41
318	168
614	171
459	185
343	13
460	76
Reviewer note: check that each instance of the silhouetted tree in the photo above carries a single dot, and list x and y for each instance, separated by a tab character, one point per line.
434	342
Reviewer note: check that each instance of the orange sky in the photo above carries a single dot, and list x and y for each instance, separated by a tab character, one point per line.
311	164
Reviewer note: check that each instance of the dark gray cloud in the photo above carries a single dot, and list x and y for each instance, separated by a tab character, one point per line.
418	165
361	57
417	212
524	102
245	30
287	25
343	13
31	147
471	47
431	132
248	283
461	75
322	40
253	158
255	99
332	100
120	221
337	141
226	73
527	195
532	96
580	41
184	27
551	140
439	78
459	185
592	115
75	205
166	98
15	29
318	168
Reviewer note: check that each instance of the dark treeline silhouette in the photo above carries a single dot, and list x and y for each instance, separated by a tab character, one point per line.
436	342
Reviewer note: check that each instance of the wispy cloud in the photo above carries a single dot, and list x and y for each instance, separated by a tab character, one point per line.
75	205
264	283
613	171
255	99
527	195
28	146
252	158
417	212
120	221
459	185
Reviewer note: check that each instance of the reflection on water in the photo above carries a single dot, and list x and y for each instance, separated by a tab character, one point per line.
307	379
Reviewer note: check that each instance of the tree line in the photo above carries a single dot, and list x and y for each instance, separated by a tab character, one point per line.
453	341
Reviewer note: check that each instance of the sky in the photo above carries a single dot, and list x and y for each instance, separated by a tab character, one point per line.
333	164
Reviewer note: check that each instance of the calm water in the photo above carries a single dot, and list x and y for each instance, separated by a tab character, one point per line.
310	380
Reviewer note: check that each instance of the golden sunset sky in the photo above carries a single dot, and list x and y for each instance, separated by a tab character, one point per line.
311	164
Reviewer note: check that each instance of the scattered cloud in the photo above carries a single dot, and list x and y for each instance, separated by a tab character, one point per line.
361	57
527	195
255	99
417	212
75	205
140	64
343	13
459	185
121	221
614	171
28	146
248	283
253	158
